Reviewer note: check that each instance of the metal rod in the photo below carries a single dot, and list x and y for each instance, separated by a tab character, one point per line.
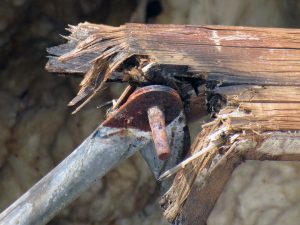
98	154
178	137
159	133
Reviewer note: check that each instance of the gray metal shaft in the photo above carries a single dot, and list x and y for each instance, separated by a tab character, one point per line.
98	154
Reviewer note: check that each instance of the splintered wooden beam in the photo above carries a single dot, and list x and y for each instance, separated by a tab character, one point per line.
220	54
248	78
198	185
192	204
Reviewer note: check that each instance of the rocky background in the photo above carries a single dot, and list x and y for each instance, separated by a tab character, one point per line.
37	130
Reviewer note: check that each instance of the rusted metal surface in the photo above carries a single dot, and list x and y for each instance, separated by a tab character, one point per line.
159	134
149	108
134	112
179	141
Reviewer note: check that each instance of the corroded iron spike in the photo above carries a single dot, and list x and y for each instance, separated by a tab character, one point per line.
159	133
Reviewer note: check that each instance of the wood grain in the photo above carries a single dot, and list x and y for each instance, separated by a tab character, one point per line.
261	108
218	54
209	183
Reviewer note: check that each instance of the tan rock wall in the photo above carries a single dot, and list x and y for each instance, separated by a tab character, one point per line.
37	130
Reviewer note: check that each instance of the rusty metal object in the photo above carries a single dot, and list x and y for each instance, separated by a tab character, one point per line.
133	113
149	108
179	140
104	149
159	134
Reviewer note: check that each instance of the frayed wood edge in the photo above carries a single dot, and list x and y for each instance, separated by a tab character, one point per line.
103	48
201	180
211	139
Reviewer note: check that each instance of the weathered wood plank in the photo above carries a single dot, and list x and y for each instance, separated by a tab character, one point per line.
261	108
266	53
263	94
207	189
221	54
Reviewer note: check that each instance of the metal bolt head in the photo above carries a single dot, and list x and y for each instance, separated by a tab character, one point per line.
133	113
149	108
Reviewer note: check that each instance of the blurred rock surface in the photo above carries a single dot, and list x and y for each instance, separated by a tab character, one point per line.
37	130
